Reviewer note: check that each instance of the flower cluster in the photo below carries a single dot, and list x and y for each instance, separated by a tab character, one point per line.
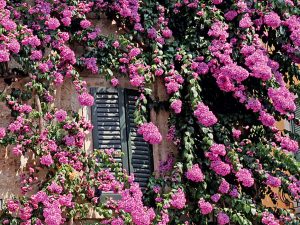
245	177
195	174
204	115
178	199
150	133
234	56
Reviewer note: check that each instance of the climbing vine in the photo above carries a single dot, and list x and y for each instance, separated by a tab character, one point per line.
230	69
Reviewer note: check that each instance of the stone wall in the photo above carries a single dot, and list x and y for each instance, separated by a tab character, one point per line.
66	98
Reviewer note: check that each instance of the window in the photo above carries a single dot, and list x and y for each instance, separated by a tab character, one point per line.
113	120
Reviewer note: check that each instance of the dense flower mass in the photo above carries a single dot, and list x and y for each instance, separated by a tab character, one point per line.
245	177
223	72
150	133
223	218
178	199
204	115
86	99
195	174
205	207
60	115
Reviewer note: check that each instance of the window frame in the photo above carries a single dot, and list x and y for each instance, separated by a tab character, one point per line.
126	142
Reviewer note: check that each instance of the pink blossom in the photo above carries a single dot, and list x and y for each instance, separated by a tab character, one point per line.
225	83
116	44
234	193
55	188
272	19
86	99
273	181
152	33
204	115
159	72
261	71
69	140
66	200
53	23
283	99
9	25
167	33
269	219
245	177
2	132
117	221
236	133
40	196
60	115
245	22
172	87
205	207
202	68
91	64
36	55
220	167
224	187
222	218
17	150
150	133
52	213
215	198
12	206
67	55
4	56
85	24
46	160
254	105
230	15
14	46
176	106
195	174
289	144
218	149
217	2
134	52
137	80
267	119
25	213
114	82
58	78
219	30
178	199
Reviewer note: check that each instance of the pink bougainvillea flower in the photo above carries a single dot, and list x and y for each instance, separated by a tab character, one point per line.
150	133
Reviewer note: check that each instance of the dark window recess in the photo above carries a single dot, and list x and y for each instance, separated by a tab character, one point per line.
114	127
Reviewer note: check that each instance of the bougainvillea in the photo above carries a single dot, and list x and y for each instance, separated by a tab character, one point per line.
229	69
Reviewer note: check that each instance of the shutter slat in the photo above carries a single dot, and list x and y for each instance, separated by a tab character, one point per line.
140	150
106	121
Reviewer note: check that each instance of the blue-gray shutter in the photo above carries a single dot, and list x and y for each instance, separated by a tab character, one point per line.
114	127
140	152
108	117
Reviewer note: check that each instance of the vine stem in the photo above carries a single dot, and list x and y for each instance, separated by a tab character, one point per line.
71	221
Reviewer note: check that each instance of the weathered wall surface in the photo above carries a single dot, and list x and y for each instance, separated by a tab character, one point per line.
66	98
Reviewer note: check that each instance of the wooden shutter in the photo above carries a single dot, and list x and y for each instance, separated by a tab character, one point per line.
108	117
140	152
114	127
